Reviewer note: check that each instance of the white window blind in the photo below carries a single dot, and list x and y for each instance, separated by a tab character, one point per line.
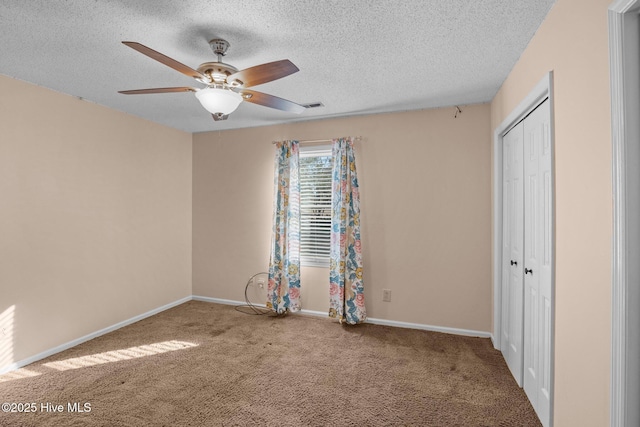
315	205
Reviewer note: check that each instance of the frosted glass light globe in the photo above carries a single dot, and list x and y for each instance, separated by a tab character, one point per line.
218	100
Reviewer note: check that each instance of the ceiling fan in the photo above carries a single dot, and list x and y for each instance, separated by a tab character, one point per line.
226	86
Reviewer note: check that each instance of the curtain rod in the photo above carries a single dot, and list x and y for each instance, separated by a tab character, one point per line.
310	141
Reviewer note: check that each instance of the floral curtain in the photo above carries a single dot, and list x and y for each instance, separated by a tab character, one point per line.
283	291
346	291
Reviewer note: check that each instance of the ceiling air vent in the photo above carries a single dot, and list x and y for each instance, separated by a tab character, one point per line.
313	105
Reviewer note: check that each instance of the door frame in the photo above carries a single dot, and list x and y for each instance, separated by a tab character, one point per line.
624	59
542	90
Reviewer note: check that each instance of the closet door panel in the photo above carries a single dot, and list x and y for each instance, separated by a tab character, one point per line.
538	260
513	235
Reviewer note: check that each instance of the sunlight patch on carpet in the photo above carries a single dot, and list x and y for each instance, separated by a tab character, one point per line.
97	359
19	374
6	336
119	355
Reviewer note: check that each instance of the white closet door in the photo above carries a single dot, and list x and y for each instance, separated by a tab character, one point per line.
512	262
538	260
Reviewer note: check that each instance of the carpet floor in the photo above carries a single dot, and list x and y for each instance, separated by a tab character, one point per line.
201	364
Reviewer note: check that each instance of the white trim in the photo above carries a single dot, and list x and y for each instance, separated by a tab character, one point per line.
221	301
78	341
620	7
623	54
236	303
542	90
618	282
497	239
314	313
443	329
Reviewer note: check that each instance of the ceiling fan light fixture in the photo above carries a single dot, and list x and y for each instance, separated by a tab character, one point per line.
226	86
219	100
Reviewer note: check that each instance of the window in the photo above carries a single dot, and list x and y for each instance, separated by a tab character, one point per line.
315	205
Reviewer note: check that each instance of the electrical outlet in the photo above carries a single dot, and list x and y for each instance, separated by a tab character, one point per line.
386	295
260	282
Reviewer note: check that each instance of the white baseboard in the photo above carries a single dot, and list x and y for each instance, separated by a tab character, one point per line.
73	343
394	323
221	301
493	341
313	313
234	302
442	329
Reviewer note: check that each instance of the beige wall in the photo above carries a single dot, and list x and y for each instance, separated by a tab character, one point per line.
95	218
573	43
425	197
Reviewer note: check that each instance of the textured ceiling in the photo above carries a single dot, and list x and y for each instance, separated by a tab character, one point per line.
355	56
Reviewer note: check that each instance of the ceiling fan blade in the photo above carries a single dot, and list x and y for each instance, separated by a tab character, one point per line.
270	101
260	74
157	90
178	66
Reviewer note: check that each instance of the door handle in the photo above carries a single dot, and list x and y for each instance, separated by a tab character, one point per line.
526	270
514	262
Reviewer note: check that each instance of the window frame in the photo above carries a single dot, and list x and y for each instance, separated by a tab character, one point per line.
306	151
